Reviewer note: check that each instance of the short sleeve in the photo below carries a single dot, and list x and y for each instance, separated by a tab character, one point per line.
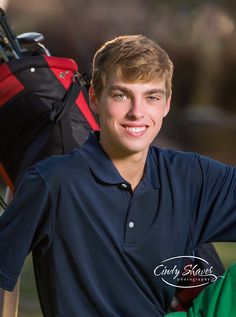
26	225
214	217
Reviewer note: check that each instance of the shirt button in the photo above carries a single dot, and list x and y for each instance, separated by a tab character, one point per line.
131	224
123	185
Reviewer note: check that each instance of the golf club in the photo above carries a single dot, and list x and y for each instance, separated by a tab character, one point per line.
33	38
13	43
3	55
6	45
30	37
2	203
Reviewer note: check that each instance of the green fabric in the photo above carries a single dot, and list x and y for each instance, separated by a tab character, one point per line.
216	300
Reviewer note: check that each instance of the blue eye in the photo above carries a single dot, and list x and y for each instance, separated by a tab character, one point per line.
119	96
153	98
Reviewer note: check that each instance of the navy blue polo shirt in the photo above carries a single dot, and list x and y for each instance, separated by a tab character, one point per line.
96	243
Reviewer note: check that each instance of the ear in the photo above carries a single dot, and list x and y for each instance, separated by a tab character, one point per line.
167	106
93	100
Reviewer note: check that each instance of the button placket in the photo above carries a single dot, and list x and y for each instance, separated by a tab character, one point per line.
131	224
130	227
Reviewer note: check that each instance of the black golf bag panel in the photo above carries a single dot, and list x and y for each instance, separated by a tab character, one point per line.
43	111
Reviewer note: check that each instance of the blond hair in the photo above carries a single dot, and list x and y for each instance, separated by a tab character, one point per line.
132	58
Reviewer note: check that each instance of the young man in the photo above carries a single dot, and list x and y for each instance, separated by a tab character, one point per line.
101	220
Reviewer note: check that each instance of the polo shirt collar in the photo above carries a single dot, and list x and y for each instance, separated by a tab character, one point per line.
103	168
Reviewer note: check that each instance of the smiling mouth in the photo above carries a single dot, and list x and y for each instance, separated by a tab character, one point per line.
136	129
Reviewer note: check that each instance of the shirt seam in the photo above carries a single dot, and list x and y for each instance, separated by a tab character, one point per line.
192	207
7	282
46	185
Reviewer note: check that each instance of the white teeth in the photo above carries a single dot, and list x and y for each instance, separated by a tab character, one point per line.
135	129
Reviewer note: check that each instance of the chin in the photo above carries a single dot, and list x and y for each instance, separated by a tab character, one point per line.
134	149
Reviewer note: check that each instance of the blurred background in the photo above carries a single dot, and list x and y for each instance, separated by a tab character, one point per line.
200	37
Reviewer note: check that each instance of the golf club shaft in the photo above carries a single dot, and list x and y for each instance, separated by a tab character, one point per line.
13	43
3	54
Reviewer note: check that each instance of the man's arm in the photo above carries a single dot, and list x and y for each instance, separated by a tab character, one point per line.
9	302
214	206
23	227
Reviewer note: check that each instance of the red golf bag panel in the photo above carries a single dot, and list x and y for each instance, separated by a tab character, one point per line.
9	85
43	111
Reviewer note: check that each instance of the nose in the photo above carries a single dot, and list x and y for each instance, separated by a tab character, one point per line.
136	110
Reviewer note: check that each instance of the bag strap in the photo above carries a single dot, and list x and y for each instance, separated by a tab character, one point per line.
82	102
57	115
74	96
62	108
62	118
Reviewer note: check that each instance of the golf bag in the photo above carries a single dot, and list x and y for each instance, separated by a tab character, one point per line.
43	111
43	103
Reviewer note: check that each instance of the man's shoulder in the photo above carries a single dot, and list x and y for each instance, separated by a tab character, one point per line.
60	166
188	161
163	154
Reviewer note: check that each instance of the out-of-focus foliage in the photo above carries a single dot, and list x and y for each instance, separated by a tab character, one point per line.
199	36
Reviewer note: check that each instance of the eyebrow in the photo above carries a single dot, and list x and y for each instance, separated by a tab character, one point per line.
129	91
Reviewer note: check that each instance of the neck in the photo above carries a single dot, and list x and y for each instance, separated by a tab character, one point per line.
130	167
132	172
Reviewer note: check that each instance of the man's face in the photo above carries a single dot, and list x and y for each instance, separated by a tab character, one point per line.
131	115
